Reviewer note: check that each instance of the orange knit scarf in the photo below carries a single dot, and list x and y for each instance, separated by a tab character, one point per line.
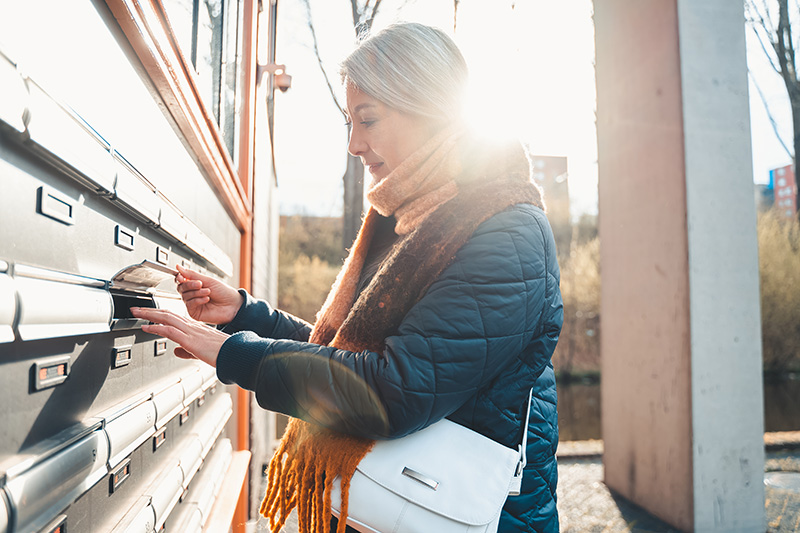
310	457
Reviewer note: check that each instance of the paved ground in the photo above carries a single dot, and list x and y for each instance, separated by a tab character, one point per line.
585	504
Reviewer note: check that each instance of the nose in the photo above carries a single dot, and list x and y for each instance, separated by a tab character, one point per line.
356	145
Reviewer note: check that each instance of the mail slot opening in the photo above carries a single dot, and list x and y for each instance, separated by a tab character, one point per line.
123	301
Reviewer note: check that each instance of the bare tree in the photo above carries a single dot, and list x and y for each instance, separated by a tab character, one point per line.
363	15
772	25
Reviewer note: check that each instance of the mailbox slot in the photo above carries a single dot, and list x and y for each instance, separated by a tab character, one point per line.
123	301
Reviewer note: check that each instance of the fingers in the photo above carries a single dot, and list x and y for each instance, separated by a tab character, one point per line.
190	274
160	316
170	332
198	293
190	285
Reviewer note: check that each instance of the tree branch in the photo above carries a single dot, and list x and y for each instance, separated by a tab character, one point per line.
769	113
319	59
763	18
355	12
766	50
371	16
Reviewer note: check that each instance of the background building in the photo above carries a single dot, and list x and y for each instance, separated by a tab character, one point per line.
784	189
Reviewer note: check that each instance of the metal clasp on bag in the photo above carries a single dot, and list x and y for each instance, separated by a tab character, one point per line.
516	483
416	476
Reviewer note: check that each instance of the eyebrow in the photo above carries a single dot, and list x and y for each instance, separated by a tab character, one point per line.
359	107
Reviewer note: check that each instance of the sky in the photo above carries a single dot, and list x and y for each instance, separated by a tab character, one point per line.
531	71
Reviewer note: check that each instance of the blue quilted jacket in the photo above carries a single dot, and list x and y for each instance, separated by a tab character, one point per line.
469	350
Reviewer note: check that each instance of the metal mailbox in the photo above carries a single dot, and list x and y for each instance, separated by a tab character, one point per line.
15	95
141	518
40	493
134	193
128	429
204	496
8	305
207	487
209	374
66	138
168	402
3	514
192	383
171	221
193	521
57	304
165	492
190	459
212	424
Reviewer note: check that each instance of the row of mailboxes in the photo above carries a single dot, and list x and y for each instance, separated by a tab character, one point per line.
52	131
103	429
41	483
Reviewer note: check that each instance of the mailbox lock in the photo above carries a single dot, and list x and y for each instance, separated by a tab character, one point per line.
119	475
50	372
159	438
161	347
120	356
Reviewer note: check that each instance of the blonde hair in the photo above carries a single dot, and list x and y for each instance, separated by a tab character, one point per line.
411	67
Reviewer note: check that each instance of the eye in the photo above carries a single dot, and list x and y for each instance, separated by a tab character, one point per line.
367	123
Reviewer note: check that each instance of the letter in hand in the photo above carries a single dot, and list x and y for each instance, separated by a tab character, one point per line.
195	338
207	299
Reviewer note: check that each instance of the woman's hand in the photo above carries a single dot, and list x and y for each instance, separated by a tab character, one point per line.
207	299
196	340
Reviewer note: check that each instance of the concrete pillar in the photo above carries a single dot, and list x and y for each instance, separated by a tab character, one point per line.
681	337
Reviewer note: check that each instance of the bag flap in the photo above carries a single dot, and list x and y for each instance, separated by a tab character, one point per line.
471	473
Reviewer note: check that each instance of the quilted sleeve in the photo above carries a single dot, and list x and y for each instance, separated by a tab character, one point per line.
266	321
473	322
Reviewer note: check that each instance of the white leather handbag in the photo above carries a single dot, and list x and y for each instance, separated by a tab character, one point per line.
444	478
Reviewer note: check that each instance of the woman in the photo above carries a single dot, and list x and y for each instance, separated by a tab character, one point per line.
447	306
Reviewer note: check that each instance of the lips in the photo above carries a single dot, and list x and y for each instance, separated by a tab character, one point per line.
373	167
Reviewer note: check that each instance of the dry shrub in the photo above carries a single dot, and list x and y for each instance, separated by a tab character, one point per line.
578	349
779	265
310	256
303	285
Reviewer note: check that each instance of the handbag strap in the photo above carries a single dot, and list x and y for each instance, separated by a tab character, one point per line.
516	483
523	459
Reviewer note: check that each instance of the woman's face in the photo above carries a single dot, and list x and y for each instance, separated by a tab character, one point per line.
382	136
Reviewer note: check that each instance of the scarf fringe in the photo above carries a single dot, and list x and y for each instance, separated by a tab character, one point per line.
302	472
